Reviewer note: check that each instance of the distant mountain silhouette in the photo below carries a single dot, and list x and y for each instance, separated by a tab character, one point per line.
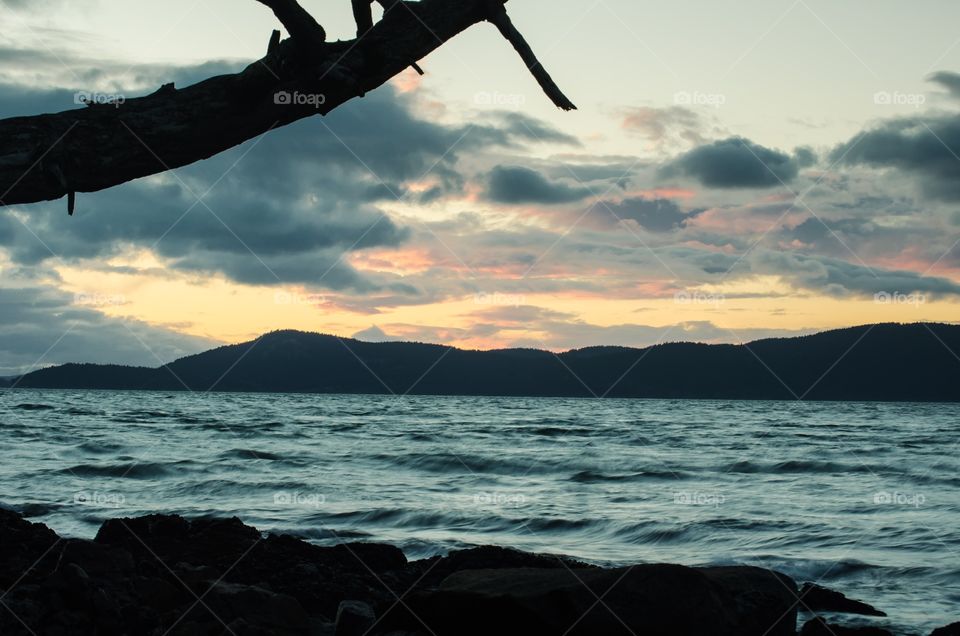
917	362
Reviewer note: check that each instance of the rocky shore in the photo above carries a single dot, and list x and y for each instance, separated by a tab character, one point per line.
159	575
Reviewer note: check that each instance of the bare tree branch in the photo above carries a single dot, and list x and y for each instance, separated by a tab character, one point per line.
499	17
46	157
298	22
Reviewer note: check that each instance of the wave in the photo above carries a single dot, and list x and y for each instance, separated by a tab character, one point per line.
33	509
34	407
460	463
128	470
592	476
74	410
798	466
99	448
245	453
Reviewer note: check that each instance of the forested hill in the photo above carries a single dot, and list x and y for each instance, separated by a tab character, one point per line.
916	362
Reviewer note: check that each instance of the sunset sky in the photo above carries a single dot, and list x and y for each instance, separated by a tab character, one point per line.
735	170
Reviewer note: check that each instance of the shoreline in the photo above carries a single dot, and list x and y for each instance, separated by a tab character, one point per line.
160	574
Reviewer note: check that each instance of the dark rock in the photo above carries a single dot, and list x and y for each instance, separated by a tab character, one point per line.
26	549
171	538
432	571
375	556
262	611
819	627
354	618
953	629
160	593
654	600
820	599
166	574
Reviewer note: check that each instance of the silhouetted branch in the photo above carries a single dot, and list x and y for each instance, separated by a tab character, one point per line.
499	17
297	21
46	157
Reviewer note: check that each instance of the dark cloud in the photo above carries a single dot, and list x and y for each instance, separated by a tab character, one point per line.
53	87
805	157
655	215
926	148
837	277
514	184
948	80
735	163
520	126
69	328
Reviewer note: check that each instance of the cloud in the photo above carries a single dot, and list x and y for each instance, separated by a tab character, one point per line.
736	163
520	126
514	184
563	332
39	319
655	215
835	277
374	334
925	148
948	80
671	125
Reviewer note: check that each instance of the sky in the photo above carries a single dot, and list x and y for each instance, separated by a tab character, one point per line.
736	170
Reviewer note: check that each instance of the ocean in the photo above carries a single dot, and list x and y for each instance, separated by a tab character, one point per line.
861	497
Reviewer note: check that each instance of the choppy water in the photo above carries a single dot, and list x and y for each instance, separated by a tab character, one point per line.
861	497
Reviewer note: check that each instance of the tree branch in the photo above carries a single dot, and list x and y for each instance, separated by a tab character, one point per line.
46	157
499	17
298	22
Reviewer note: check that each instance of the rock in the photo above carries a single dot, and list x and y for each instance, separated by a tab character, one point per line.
953	629
654	600
819	627
820	599
145	575
261	610
25	549
354	618
171	539
376	556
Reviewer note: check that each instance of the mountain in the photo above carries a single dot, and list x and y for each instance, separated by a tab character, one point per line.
916	362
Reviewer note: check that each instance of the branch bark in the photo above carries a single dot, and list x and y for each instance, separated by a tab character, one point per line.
46	157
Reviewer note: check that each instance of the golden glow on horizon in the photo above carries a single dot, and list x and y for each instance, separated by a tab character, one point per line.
216	308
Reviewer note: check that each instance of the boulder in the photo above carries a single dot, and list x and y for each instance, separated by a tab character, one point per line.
26	549
257	609
819	627
654	600
354	618
820	599
953	629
